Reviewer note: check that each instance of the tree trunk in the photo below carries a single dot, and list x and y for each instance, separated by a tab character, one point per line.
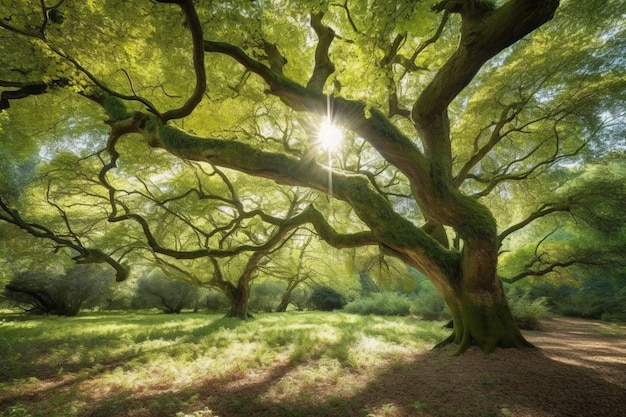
479	308
284	301
239	297
483	319
239	307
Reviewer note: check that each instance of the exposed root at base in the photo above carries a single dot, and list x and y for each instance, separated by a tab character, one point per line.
445	342
467	341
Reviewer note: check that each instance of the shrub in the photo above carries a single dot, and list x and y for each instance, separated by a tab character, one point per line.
156	290
299	298
527	312
382	304
326	299
430	305
214	300
265	296
527	308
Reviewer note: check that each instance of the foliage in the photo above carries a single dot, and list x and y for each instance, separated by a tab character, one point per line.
429	304
156	290
593	296
382	304
265	296
63	294
528	308
214	300
367	284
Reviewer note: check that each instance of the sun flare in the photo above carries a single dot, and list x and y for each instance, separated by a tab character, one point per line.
329	135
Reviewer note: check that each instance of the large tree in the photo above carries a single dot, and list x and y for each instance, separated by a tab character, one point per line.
436	129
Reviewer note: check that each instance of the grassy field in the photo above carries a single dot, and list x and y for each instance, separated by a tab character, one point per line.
131	364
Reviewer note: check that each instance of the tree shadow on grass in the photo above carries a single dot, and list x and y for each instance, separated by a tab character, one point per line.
507	383
576	373
20	365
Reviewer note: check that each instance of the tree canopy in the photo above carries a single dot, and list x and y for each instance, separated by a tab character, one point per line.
468	129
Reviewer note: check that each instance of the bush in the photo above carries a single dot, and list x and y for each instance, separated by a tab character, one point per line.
214	300
300	298
430	305
527	308
597	297
265	296
326	299
527	312
382	304
156	290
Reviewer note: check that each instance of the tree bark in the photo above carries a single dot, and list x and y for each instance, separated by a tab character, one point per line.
239	297
479	308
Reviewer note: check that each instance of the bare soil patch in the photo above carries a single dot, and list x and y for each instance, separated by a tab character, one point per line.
579	369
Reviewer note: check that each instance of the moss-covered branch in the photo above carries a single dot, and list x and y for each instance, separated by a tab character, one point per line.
387	228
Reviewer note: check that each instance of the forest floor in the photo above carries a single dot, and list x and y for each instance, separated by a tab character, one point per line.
579	369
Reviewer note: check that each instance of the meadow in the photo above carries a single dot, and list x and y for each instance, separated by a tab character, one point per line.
148	364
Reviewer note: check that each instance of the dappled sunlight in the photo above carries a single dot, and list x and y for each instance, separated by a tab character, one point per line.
591	345
323	364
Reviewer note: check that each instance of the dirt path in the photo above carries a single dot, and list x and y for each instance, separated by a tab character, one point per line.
578	370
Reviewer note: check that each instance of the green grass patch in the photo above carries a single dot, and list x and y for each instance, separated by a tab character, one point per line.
97	364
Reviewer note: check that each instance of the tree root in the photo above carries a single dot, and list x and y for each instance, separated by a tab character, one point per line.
447	341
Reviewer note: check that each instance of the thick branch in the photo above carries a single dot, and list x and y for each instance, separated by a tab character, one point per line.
195	27
484	34
388	229
368	123
323	65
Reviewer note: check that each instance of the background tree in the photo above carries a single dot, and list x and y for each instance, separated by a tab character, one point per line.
63	294
448	111
156	290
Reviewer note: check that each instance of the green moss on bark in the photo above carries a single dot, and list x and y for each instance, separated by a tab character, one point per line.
486	323
115	108
180	141
480	224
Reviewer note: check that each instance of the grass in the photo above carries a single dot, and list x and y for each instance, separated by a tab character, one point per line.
154	364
